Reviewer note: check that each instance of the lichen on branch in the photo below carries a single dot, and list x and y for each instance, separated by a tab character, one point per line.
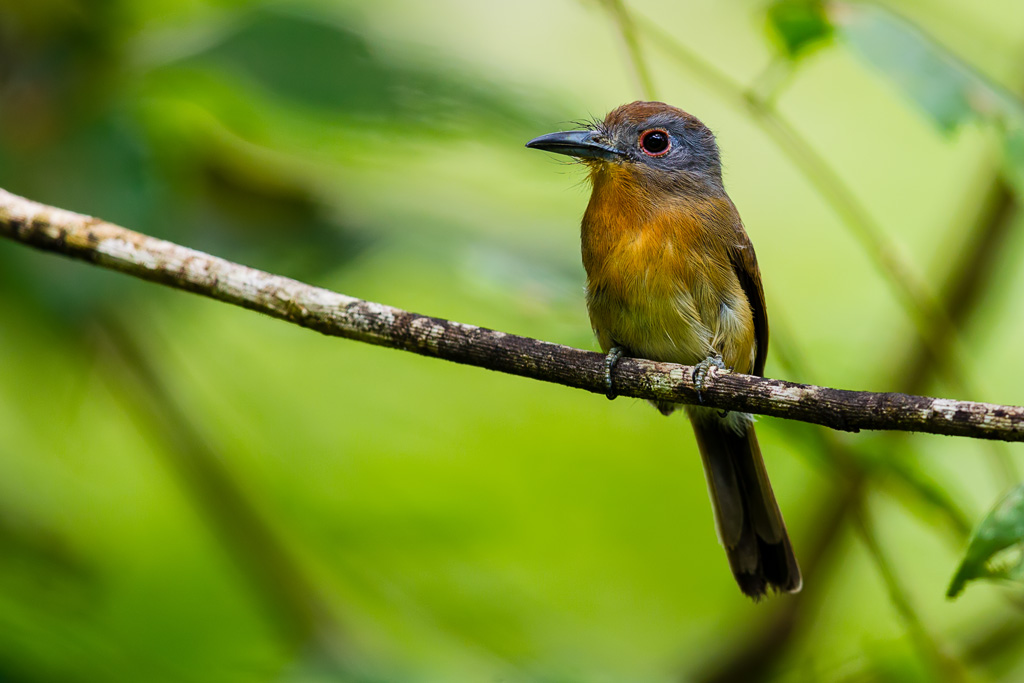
116	248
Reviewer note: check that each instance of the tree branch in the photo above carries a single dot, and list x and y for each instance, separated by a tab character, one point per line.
104	244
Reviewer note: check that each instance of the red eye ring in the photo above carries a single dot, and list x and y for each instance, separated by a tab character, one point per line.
655	142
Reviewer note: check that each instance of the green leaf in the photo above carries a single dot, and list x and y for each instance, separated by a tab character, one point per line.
799	25
996	549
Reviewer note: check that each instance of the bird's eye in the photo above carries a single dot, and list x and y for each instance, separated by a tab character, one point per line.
655	142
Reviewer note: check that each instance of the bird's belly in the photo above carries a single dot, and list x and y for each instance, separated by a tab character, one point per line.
659	326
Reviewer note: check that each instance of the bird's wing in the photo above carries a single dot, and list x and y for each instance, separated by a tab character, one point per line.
744	263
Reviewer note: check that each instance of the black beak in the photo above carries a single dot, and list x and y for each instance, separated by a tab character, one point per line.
583	144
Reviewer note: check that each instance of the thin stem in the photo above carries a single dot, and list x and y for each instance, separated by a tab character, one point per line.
627	31
770	83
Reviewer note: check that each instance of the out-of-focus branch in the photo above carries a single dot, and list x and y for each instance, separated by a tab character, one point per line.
294	604
114	247
641	74
930	318
944	668
969	276
933	353
758	656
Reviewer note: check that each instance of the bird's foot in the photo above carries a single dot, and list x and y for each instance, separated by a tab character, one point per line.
701	370
614	354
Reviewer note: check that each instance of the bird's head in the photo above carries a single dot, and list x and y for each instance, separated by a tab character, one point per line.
659	145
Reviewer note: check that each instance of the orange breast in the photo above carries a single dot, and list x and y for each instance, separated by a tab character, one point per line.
659	279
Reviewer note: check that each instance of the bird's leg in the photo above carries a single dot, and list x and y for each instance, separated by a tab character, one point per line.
701	369
614	354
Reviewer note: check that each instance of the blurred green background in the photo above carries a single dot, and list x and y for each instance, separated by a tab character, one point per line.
192	492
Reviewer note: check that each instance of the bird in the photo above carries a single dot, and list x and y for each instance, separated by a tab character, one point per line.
672	276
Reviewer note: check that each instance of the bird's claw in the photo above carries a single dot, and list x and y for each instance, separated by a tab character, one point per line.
701	370
614	354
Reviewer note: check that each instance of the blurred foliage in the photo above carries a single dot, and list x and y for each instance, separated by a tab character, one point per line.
947	90
189	492
799	25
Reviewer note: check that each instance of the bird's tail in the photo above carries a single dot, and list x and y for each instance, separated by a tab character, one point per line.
749	522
